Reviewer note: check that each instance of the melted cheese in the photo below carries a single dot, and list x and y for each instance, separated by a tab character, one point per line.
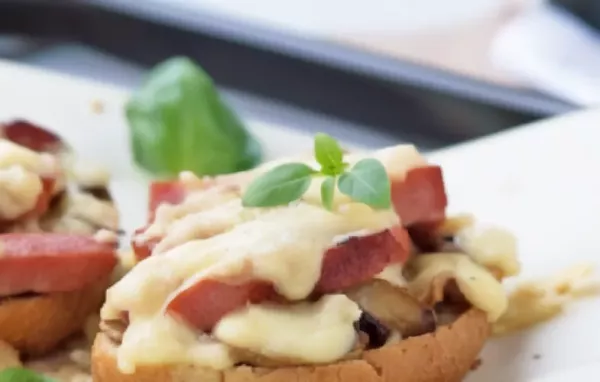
273	246
99	213
209	193
211	235
475	282
20	183
12	154
19	192
308	332
88	174
393	275
82	214
492	247
162	340
193	207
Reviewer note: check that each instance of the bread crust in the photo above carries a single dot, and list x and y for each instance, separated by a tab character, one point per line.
35	325
445	355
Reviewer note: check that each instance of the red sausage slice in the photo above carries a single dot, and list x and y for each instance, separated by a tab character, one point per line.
355	261
31	136
421	196
161	192
171	192
45	263
205	303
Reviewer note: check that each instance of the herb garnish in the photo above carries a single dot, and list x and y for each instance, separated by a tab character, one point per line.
178	121
17	374
366	182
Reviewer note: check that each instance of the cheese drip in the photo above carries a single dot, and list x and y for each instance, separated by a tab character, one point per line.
284	246
21	170
319	332
210	235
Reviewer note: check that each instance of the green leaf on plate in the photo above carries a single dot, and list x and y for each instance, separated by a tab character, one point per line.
328	192
178	121
367	182
281	185
22	375
329	154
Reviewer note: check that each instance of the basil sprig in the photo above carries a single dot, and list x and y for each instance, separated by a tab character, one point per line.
17	374
178	121
366	182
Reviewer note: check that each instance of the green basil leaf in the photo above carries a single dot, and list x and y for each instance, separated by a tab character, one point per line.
22	375
328	192
279	186
178	122
367	182
329	154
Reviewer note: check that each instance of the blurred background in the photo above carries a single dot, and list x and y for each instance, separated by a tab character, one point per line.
435	72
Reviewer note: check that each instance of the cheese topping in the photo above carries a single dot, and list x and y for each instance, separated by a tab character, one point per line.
475	282
19	192
20	183
273	247
492	247
211	235
88	174
397	160
160	339
308	332
393	275
193	207
81	213
12	154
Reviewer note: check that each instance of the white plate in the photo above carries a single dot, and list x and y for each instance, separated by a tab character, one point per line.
542	181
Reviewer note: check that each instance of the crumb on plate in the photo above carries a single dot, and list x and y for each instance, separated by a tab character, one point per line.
537	301
97	106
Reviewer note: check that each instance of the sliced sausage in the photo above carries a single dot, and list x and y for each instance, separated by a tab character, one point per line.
345	265
44	263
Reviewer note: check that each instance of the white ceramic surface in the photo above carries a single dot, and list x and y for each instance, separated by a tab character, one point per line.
540	180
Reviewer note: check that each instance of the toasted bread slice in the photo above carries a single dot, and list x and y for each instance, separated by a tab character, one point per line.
445	355
37	324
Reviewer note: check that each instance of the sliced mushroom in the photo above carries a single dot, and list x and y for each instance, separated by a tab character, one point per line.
377	332
114	329
99	192
394	307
